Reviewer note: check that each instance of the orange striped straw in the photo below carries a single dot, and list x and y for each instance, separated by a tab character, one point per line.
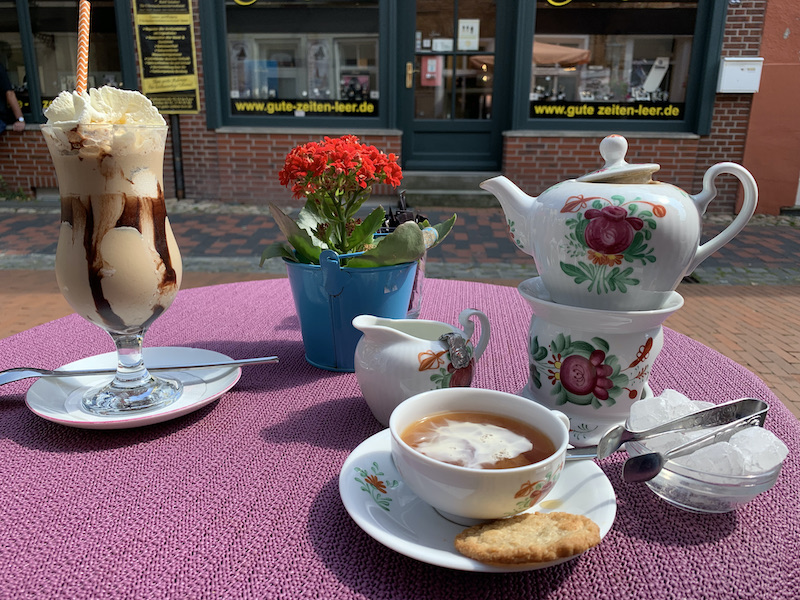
84	10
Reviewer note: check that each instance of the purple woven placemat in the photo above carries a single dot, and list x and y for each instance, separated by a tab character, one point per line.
240	499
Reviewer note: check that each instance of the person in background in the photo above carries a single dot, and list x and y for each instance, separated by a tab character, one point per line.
10	112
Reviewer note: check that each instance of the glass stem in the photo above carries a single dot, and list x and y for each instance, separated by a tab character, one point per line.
131	371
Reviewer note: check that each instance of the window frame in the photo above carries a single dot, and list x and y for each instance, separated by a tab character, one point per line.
701	93
213	24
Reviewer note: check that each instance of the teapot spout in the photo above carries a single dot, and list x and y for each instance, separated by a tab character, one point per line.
518	208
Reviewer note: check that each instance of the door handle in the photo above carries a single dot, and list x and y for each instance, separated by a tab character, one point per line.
410	70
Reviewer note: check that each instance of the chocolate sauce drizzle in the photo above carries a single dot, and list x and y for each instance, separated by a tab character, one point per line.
134	209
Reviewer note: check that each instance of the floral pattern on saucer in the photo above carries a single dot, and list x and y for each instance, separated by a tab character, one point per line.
413	528
372	484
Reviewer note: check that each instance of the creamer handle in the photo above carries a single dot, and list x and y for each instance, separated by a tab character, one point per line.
469	328
709	192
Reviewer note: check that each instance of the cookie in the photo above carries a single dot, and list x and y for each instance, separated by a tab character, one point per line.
528	538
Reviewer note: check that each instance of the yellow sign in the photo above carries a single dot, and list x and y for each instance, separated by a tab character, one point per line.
607	110
165	38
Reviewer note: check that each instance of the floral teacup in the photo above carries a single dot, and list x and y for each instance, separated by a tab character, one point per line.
468	495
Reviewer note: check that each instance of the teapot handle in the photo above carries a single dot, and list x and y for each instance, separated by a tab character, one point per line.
707	195
469	328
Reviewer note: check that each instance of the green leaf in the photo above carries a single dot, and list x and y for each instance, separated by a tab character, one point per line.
560	343
582	400
560	394
619	380
442	229
601	344
575	272
277	250
308	220
307	252
363	233
404	244
584	349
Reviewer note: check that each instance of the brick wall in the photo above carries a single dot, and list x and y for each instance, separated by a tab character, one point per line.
242	167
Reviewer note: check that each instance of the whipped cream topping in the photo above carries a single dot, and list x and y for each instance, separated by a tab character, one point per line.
473	444
106	105
103	121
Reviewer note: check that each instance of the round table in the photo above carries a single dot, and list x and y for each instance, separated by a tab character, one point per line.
240	498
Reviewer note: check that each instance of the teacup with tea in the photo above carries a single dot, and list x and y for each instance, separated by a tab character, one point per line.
476	454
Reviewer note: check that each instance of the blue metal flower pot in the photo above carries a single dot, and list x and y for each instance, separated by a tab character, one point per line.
328	297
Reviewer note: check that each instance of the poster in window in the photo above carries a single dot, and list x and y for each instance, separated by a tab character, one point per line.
319	63
431	74
354	87
261	78
469	33
166	46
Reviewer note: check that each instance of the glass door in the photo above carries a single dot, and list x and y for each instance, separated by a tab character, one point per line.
452	101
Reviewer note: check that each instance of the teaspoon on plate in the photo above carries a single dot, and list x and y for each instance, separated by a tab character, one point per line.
19	373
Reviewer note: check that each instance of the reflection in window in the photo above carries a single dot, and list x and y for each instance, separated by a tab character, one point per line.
55	26
454	45
582	66
319	58
11	56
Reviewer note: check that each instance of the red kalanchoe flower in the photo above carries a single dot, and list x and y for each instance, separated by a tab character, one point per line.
337	175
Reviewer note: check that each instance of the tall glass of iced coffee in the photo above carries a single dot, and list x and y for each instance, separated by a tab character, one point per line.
117	261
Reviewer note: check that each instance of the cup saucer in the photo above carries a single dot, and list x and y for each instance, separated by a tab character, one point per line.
376	498
57	399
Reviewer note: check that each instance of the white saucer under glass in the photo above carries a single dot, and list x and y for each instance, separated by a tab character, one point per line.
60	399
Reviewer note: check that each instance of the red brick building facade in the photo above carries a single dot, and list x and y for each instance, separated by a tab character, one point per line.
240	165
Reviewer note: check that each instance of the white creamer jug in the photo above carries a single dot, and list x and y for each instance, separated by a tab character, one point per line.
398	358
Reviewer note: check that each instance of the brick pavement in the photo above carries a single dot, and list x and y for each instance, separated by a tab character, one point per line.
746	304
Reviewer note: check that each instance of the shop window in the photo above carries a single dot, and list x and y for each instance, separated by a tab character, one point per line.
311	59
611	60
54	24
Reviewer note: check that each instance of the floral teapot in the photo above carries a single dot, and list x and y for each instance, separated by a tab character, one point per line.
399	358
614	239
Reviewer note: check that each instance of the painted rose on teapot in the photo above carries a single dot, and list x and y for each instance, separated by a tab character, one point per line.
615	239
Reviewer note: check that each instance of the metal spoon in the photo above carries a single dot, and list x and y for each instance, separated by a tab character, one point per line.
721	414
18	373
644	467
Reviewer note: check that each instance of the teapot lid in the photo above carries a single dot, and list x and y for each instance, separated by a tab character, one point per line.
616	170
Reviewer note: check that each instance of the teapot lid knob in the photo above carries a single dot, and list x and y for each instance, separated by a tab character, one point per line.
613	149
